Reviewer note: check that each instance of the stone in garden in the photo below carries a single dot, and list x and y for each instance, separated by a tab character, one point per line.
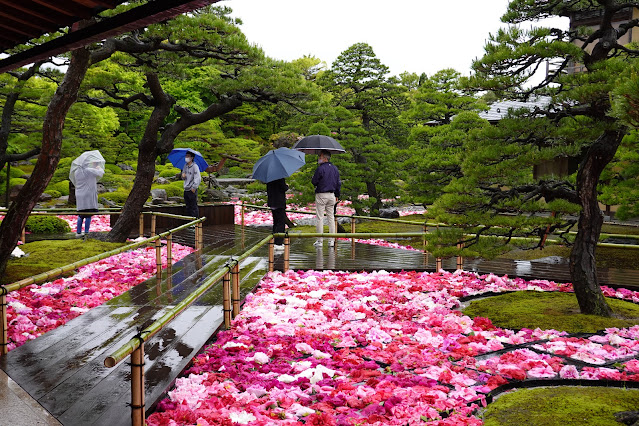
176	199
159	193
388	213
161	181
124	166
14	191
101	188
215	195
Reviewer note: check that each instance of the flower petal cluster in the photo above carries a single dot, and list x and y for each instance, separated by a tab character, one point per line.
36	309
380	348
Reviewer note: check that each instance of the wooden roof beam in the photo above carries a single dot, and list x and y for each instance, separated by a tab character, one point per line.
141	16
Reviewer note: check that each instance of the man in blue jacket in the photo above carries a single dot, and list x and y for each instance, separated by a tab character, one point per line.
327	191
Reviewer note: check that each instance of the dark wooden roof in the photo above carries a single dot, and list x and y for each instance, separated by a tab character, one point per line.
24	20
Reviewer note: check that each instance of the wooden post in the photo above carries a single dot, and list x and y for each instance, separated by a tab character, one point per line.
287	252
153	219
158	256
169	250
438	264
352	229
425	231
460	259
4	330
141	229
226	290
200	235
271	256
235	288
137	386
242	213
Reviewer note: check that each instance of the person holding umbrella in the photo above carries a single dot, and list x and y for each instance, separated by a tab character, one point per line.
276	200
192	179
271	169
327	190
86	171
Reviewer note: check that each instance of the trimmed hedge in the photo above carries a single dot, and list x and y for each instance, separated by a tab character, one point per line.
47	225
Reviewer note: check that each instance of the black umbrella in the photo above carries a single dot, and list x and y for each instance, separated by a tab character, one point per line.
313	144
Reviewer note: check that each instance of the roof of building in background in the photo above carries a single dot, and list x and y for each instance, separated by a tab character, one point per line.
498	110
22	21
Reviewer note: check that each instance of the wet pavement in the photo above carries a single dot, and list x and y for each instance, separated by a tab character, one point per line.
60	377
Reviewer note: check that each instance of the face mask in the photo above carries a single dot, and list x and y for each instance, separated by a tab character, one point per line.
188	159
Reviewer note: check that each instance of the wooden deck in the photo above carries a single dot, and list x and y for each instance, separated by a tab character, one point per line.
63	370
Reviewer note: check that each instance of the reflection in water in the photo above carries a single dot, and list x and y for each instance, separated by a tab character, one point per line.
320	262
522	267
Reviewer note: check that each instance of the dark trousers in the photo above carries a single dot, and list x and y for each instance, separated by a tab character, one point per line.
190	199
279	223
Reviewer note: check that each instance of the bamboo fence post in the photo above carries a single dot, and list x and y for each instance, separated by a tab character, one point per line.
158	256
425	230
271	257
153	219
200	234
460	259
137	385
141	226
226	290
235	288
287	252
352	229
438	264
4	338
169	250
23	237
242	213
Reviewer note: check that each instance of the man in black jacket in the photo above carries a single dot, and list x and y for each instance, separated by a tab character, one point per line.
276	200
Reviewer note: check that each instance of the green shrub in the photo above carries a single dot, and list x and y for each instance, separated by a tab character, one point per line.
112	168
171	190
16	181
61	187
118	196
62	171
112	181
256	186
47	225
14	173
53	193
169	172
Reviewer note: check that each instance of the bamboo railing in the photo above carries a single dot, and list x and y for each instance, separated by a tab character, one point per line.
57	272
229	275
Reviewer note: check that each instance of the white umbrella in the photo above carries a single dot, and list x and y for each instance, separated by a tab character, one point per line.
87	160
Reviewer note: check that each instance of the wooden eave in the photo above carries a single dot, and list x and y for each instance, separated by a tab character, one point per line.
22	21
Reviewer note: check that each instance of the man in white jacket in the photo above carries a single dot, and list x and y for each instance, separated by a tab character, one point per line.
86	193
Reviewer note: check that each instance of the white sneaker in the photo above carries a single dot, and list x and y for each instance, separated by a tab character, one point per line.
278	247
318	243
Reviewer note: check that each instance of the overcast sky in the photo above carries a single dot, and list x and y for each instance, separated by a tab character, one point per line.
406	35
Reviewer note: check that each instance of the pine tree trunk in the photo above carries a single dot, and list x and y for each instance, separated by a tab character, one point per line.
147	153
583	269
64	97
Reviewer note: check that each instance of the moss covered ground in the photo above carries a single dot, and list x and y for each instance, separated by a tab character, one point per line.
50	254
554	406
546	310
